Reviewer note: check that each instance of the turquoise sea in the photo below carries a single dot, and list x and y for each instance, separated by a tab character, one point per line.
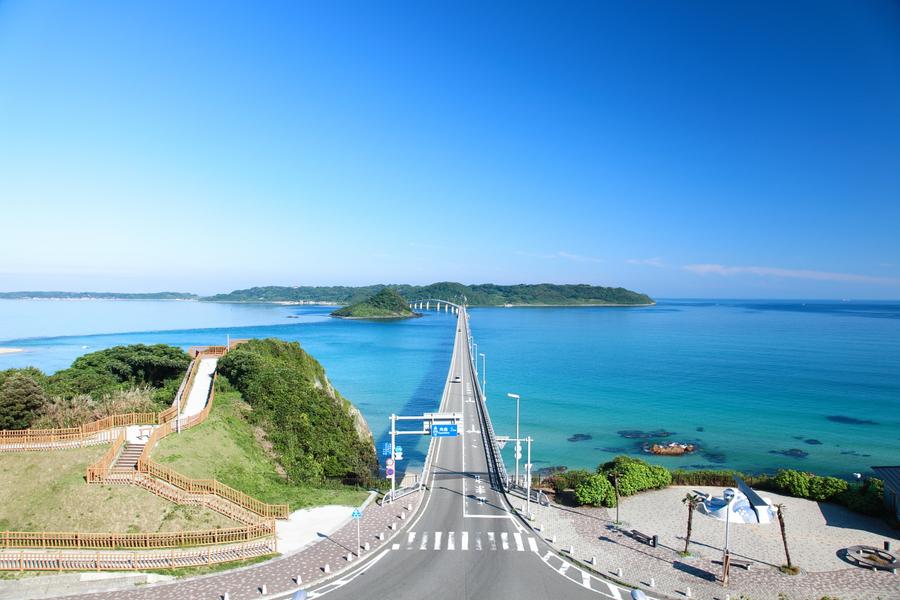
757	385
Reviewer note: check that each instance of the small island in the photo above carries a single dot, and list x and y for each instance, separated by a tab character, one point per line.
386	304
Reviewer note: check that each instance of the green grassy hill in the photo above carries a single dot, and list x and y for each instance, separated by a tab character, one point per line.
386	304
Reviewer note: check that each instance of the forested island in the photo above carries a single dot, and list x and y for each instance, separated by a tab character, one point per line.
485	294
96	296
386	304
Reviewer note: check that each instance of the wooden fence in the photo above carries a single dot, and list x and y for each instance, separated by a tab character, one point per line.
135	541
131	561
99	470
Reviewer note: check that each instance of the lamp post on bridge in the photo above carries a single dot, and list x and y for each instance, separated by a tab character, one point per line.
475	359
518	448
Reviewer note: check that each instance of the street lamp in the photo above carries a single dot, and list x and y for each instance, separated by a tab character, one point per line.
483	377
475	358
518	443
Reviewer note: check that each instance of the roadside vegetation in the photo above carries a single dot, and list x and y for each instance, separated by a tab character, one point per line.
625	476
46	491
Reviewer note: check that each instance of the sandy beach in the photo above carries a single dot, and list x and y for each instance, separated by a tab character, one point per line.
9	350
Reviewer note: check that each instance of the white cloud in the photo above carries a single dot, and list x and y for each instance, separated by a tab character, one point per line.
716	269
650	262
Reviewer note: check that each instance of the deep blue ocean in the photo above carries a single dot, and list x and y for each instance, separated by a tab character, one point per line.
757	385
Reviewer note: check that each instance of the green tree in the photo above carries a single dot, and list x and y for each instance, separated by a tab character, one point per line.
595	490
21	400
636	475
787	554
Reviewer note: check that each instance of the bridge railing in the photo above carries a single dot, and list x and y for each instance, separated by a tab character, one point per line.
490	438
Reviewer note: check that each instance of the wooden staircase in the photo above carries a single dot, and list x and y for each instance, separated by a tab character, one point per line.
128	459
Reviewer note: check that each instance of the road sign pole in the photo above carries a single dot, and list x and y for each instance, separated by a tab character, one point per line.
528	482
393	447
358	546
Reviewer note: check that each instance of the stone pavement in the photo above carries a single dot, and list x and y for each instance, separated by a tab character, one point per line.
278	574
592	533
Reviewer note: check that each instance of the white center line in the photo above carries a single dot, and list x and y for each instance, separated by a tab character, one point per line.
465	540
437	539
519	545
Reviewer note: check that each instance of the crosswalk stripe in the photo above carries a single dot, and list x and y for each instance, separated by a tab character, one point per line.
519	545
465	540
437	539
504	540
424	544
492	540
451	540
478	541
532	545
409	539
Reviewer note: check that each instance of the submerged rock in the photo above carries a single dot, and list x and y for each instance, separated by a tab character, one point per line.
850	420
812	442
793	453
580	437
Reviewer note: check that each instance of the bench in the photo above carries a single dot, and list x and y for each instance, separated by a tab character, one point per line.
744	564
650	540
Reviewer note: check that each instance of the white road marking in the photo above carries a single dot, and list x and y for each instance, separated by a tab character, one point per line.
395	546
424	544
565	567
492	540
504	540
465	540
410	537
532	545
585	579
519	545
451	540
437	539
478	541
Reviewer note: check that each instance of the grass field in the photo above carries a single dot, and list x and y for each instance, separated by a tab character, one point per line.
225	447
46	491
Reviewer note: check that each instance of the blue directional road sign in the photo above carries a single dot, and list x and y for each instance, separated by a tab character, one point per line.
357	514
386	449
444	430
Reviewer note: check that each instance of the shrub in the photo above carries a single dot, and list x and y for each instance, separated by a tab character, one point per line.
823	489
867	499
793	483
635	475
595	490
567	480
21	399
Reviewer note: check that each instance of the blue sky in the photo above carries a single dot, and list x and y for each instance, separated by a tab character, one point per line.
685	149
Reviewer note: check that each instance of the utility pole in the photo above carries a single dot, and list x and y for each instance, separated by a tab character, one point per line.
393	454
528	482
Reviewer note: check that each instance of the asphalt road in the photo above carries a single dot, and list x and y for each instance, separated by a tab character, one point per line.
464	543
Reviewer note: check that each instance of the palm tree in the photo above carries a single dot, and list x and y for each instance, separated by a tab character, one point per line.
692	501
787	553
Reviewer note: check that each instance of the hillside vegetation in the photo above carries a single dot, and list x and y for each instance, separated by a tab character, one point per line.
386	304
486	294
136	378
316	434
228	447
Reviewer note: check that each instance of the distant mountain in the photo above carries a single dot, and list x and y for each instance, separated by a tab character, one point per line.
485	294
96	295
386	304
